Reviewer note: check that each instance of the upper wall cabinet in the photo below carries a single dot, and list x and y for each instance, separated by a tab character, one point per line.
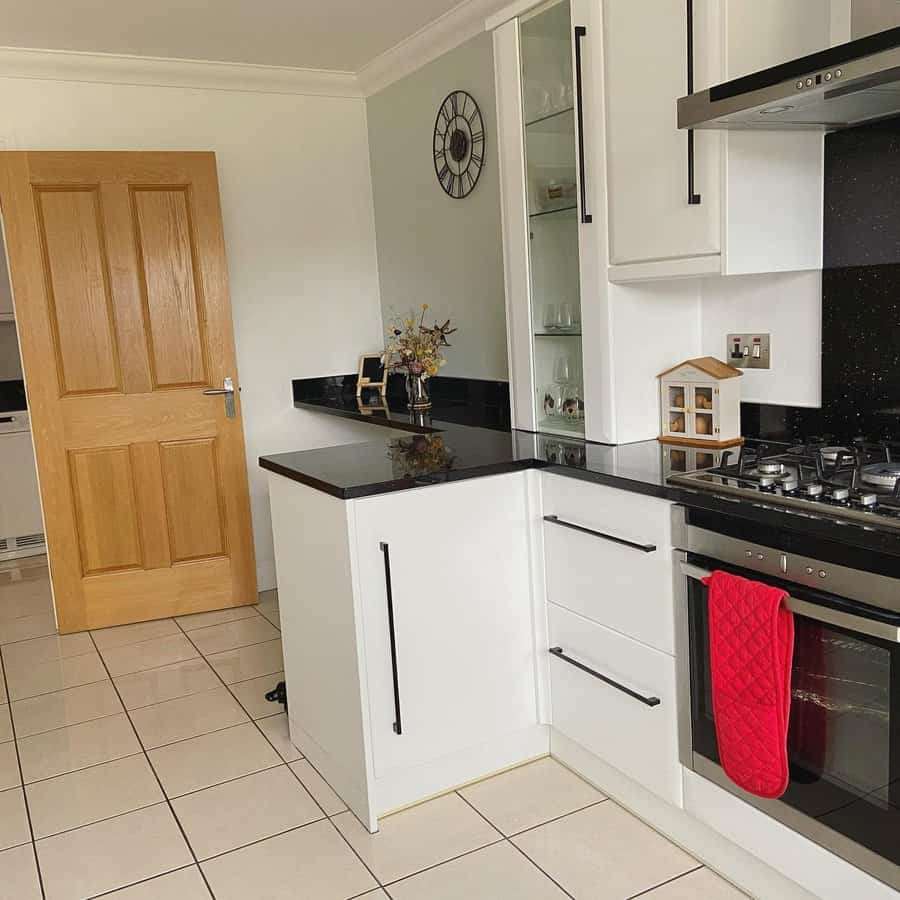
683	204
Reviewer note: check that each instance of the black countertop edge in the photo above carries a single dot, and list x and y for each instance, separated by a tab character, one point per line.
370	418
398	484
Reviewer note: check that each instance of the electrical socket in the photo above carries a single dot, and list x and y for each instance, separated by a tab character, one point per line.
748	351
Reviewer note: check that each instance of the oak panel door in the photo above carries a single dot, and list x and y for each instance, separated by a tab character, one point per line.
121	293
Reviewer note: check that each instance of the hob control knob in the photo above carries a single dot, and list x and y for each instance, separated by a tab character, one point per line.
813	490
809	570
868	500
839	493
823	573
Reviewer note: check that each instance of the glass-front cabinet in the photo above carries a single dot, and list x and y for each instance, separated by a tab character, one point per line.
551	160
541	60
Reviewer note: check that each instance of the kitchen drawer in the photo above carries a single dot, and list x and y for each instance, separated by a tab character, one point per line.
638	739
616	566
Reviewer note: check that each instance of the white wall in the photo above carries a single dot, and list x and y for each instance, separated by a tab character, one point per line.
431	248
299	230
789	306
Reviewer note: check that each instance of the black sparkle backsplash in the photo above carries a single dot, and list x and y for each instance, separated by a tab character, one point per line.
861	282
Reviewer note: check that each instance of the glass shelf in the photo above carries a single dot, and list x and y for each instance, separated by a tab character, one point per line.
550	212
559	122
557	334
563	427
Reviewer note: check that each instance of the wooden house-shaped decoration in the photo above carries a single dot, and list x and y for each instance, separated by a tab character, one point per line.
700	403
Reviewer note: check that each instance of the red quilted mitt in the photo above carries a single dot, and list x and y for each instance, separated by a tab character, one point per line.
751	646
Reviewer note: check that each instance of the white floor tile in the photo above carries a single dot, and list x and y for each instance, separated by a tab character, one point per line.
76	747
192	676
18	874
313	857
275	728
248	662
700	884
252	695
69	707
216	617
122	635
150	654
6	732
27	627
89	795
603	853
186	717
47	649
9	767
24	680
183	884
237	813
530	795
230	635
112	854
321	791
13	820
212	758
494	872
419	837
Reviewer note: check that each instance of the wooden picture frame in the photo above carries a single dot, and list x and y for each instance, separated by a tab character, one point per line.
372	374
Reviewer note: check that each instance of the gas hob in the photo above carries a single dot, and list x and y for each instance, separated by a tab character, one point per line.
856	481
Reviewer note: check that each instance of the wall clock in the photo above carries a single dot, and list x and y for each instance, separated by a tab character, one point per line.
458	144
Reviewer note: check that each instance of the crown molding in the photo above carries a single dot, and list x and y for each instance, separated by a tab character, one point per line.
436	38
108	68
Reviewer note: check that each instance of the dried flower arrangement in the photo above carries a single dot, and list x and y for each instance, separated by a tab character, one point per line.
415	349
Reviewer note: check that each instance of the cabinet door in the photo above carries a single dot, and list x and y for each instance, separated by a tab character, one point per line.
464	650
650	219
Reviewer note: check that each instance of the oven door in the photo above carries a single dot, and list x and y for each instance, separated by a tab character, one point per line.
844	734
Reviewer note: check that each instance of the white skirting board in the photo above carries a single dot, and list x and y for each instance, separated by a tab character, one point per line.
743	868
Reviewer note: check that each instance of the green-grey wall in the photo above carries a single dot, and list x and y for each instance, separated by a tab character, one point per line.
433	249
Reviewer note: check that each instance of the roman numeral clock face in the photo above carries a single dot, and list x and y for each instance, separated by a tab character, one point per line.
458	144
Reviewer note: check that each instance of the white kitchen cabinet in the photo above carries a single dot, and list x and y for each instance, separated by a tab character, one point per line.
456	557
758	204
608	557
456	695
616	698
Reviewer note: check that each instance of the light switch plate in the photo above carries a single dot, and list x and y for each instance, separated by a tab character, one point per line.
748	351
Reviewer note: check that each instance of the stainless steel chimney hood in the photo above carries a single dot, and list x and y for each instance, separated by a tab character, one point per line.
835	88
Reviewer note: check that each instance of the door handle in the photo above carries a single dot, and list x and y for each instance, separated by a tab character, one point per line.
580	32
693	199
644	548
559	653
386	550
227	392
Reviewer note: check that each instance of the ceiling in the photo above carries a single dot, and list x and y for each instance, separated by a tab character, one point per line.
341	35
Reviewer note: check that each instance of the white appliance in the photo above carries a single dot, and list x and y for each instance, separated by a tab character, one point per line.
21	523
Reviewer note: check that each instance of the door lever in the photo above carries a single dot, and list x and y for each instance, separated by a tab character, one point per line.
227	392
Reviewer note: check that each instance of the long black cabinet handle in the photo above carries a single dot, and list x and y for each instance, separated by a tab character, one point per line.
580	32
644	548
647	701
385	549
694	199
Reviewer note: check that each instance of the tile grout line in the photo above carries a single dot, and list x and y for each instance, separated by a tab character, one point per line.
518	849
266	738
650	890
184	836
15	742
144	881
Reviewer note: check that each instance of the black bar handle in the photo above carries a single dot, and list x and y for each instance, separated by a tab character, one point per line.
398	725
647	701
580	32
644	548
694	198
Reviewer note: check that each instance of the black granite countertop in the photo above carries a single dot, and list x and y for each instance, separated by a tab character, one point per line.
461	440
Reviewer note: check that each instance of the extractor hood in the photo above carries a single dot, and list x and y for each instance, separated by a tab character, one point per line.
835	88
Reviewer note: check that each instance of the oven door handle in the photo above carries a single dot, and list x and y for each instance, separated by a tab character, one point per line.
860	624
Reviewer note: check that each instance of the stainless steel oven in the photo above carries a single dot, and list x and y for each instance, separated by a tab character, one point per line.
844	735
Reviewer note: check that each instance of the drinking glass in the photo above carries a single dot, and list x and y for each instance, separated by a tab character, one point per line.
566	318
562	369
551	316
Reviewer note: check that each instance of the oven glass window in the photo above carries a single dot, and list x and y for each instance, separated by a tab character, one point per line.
844	735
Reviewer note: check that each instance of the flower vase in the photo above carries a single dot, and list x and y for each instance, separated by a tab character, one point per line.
417	392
